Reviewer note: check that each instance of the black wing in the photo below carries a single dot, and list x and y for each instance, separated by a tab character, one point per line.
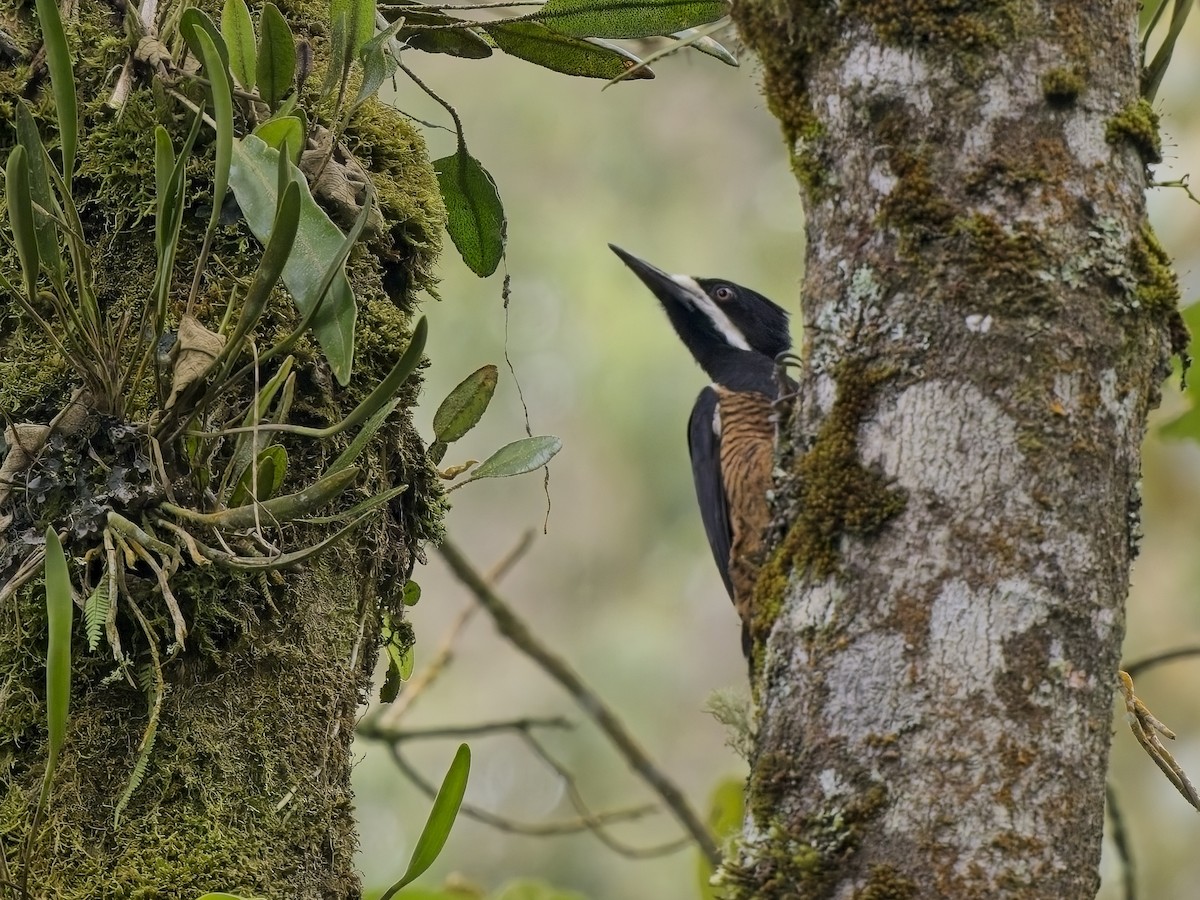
704	444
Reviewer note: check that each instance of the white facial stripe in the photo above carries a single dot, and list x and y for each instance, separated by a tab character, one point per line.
717	315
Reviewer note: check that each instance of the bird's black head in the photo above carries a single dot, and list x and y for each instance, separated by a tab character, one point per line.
714	317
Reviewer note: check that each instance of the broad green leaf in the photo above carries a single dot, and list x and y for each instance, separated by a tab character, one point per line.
542	46
360	22
276	67
464	43
461	42
441	820
411	594
222	97
628	18
517	458
275	132
62	82
474	214
465	405
398	645
340	57
20	217
254	179
378	63
59	610
49	249
238	30
407	662
194	20
269	470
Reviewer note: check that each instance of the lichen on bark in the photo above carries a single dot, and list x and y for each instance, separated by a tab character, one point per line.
977	247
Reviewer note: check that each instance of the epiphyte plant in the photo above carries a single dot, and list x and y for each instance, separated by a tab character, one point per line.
172	452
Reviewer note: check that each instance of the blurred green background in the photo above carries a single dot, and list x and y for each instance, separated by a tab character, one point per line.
689	172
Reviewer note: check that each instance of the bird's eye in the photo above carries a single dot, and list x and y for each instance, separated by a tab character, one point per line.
723	293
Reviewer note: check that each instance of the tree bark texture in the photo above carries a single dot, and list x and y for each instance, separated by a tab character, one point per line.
987	320
247	785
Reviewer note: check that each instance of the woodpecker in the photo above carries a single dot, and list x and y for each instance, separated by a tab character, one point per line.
735	334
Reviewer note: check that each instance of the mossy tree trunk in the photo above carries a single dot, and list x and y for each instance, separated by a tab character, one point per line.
246	788
987	321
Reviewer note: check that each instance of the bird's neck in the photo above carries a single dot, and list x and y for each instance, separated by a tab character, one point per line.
741	370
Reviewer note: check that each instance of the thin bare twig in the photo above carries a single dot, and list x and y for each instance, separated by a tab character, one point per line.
503	823
1120	838
1144	665
597	824
397	735
389	716
519	634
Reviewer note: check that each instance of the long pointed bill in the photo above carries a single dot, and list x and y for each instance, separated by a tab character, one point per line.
663	285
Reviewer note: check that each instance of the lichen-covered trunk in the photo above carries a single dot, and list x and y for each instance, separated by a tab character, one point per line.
245	787
987	320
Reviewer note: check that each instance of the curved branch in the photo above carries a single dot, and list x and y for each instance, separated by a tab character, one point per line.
519	634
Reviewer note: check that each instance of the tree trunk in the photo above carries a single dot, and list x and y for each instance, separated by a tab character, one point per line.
246	786
987	320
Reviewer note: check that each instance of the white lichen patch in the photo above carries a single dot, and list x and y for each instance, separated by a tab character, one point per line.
869	688
1104	620
1084	131
1117	403
817	610
858	307
832	784
950	440
889	71
967	629
881	180
1066	390
979	324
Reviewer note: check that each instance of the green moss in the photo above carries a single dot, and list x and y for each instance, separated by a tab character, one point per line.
784	67
802	860
1138	124
1061	85
967	26
394	152
1007	270
1157	288
885	883
835	496
265	692
916	207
